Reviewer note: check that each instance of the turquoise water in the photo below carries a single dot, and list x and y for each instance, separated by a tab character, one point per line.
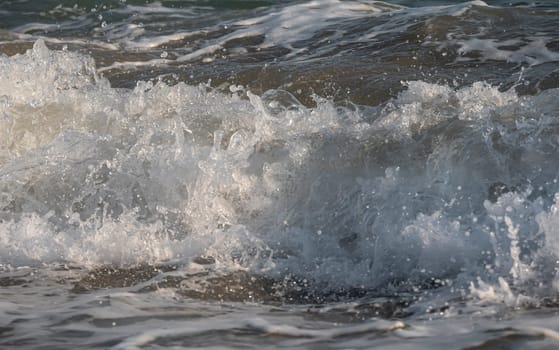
279	174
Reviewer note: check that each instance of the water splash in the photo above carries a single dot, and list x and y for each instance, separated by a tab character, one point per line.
439	187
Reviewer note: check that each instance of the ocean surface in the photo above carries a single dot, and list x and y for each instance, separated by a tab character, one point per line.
250	174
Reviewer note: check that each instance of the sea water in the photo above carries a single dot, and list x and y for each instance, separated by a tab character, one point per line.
279	174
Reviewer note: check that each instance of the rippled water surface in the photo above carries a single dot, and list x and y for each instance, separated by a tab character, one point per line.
279	174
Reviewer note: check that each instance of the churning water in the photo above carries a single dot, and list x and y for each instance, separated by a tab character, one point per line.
279	174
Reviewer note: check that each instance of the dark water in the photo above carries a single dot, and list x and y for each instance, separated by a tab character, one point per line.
266	174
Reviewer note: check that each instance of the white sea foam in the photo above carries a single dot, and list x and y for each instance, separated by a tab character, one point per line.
530	50
290	331
94	175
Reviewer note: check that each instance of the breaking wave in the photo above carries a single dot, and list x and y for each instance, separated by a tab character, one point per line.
438	187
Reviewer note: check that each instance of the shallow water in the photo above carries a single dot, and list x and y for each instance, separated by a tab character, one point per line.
279	174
